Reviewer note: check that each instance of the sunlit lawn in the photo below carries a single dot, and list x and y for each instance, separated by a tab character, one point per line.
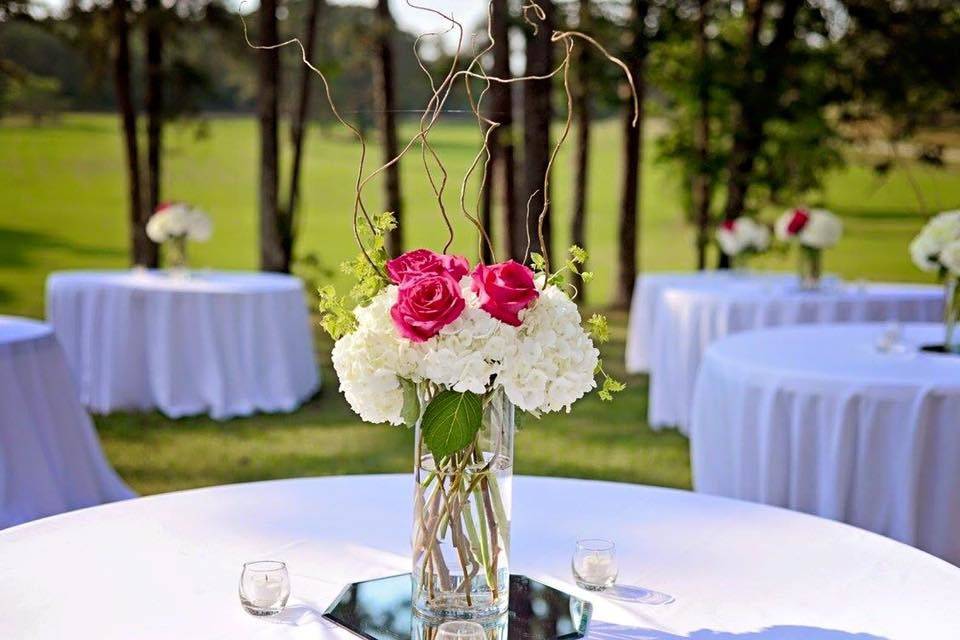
62	207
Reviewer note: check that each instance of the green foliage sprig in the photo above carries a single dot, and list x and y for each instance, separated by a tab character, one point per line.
336	315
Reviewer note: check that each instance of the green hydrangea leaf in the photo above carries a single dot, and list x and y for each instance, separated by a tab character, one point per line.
451	422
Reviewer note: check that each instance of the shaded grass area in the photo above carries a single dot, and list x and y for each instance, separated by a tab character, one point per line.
598	440
62	206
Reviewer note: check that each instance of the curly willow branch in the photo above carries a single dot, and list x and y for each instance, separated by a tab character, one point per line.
435	106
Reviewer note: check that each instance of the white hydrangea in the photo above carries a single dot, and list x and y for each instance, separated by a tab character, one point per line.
928	248
544	365
950	257
178	220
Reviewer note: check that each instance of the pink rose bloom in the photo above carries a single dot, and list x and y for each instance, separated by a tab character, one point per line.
426	304
419	262
505	290
456	266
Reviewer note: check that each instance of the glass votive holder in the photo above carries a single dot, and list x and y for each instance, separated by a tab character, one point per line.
264	587
595	564
460	630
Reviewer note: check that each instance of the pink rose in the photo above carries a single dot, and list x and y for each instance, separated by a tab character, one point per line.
505	290
426	304
457	266
419	262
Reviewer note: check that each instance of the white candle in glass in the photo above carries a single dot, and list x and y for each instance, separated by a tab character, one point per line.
595	564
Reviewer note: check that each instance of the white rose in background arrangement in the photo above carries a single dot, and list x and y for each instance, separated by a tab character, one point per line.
743	234
928	248
814	228
176	220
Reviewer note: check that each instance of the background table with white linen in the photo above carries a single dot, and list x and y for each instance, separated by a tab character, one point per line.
690	318
50	458
647	296
223	343
817	419
168	566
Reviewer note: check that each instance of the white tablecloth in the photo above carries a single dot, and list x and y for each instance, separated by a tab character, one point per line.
691	318
226	344
816	419
647	296
168	566
50	458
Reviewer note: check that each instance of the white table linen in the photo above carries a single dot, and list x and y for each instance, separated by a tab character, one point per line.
691	318
168	566
647	296
818	420
50	458
223	343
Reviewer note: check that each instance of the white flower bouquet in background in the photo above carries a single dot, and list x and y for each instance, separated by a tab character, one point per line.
812	230
937	249
742	238
175	223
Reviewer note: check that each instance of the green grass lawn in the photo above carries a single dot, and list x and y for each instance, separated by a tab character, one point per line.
62	207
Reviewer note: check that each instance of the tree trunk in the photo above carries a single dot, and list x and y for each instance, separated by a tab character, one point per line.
537	113
143	252
632	162
757	101
154	106
702	187
386	120
581	156
298	129
502	147
272	256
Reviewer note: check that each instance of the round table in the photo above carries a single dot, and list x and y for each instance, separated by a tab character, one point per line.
819	420
168	566
223	343
50	458
647	296
690	318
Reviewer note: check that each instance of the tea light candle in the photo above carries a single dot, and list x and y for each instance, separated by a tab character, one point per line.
595	564
264	587
264	591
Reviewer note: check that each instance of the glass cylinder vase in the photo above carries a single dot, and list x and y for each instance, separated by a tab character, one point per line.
461	531
810	268
176	255
951	315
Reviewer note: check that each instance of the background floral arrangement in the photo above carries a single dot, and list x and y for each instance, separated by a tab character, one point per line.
937	246
743	236
174	220
810	228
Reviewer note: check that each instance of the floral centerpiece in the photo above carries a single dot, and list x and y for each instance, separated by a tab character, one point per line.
461	352
812	230
456	352
172	225
937	249
742	238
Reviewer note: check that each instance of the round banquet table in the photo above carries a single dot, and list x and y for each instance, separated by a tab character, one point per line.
818	420
647	296
222	343
690	318
168	566
50	458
